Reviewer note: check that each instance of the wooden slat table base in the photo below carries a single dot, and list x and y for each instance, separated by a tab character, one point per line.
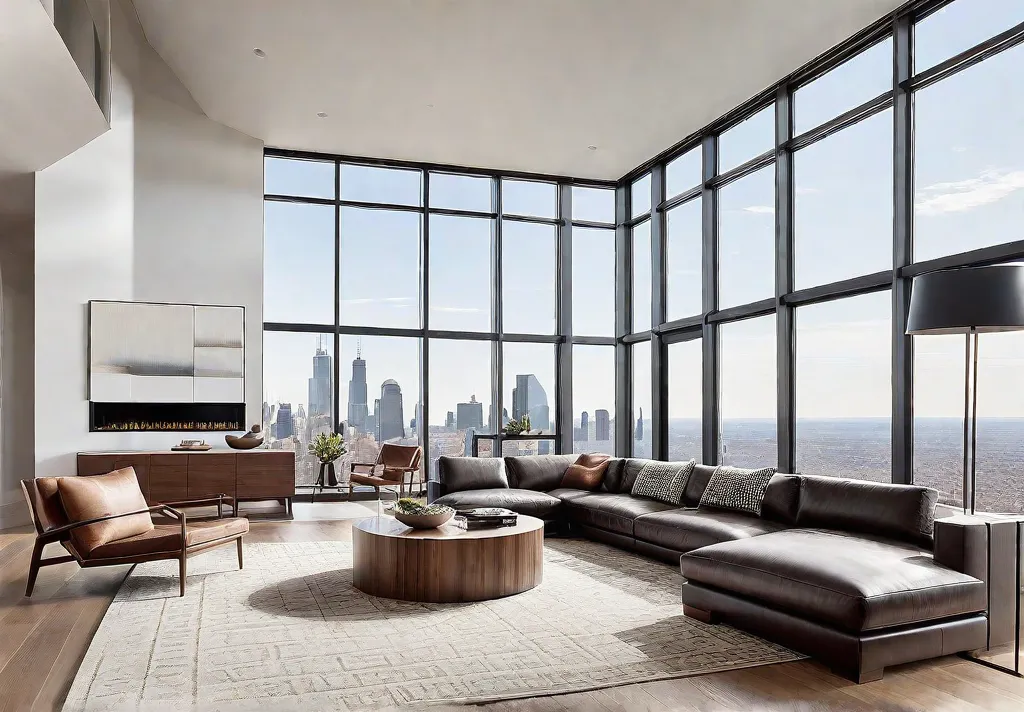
446	565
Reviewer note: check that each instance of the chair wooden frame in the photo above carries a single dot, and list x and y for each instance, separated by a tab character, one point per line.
62	535
375	481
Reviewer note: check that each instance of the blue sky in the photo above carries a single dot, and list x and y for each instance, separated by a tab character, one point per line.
969	193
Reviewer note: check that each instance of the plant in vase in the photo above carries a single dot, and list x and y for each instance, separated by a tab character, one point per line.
328	448
518	427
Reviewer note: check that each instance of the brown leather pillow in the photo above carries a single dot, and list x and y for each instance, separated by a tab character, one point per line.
587	472
98	496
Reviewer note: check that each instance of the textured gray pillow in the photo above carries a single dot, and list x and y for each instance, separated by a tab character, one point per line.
663	481
737	490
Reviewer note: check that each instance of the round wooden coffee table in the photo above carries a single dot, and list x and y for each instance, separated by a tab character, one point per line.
447	564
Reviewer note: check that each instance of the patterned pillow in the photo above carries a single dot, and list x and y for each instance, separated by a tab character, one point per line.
736	489
664	481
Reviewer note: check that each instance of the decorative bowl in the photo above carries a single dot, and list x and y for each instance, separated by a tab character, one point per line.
424	521
242	442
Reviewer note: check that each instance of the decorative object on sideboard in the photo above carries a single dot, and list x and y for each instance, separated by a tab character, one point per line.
192	446
969	301
252	439
327	448
518	427
414	514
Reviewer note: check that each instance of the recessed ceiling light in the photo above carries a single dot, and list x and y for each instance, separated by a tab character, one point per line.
592	148
258	52
322	114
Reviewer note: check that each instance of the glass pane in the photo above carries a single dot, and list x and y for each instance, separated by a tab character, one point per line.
298	263
746	239
381	185
969	159
456	192
852	83
380	268
460	397
683	173
460	273
844	388
642	277
527	197
593	282
640	196
641	422
529	275
291	176
380	386
748	435
685	399
747	140
843	204
939	413
298	395
593	204
529	378
684	260
960	26
593	399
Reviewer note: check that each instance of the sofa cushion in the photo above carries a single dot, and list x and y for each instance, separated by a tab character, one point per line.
782	498
587	472
633	465
850	582
48	506
537	472
696	484
736	489
166	538
469	473
688	529
903	512
614	512
568	493
116	492
523	501
663	481
613	475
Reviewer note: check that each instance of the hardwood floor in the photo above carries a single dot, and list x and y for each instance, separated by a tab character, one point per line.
43	640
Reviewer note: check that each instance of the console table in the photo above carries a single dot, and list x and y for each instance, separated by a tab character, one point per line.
169	476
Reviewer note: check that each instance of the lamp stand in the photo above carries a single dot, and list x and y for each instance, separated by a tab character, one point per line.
970	418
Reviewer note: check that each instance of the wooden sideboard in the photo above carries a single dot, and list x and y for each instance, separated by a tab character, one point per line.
168	476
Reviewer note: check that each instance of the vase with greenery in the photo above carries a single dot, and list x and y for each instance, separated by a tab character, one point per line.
518	427
328	448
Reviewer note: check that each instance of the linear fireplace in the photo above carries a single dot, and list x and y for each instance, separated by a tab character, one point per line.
166	417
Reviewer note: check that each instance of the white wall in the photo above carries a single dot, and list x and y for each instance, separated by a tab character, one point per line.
17	344
166	206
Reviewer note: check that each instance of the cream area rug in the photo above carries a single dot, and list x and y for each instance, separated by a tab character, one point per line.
290	632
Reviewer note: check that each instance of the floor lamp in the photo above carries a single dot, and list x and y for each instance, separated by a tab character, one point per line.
969	301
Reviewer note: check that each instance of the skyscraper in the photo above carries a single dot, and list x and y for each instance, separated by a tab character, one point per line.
602	431
321	384
390	421
584	427
285	426
529	398
470	415
639	432
357	410
449	421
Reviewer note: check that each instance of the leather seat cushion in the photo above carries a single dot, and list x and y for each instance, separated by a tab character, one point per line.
166	538
851	582
613	512
48	505
117	492
537	472
568	493
688	529
528	502
471	473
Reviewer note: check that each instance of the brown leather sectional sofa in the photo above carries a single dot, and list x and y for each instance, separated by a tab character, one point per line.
857	574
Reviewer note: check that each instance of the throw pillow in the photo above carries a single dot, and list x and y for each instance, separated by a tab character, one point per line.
663	481
587	472
98	496
736	489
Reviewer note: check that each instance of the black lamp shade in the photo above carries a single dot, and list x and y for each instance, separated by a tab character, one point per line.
957	301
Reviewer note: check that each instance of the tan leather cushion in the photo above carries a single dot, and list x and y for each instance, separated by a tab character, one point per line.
49	510
166	538
587	472
87	498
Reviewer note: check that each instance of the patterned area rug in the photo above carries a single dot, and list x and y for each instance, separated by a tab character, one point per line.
290	632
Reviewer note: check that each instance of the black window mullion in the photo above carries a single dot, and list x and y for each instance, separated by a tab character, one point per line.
710	407
563	350
336	408
623	322
659	389
784	279
497	348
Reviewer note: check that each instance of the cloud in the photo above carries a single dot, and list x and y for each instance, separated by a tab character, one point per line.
760	209
959	196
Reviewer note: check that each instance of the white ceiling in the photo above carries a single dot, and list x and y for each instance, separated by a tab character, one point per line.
512	84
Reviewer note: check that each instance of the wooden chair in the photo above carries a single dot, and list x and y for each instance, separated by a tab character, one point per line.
178	540
394	462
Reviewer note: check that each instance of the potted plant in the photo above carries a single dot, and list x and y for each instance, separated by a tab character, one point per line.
327	448
518	427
